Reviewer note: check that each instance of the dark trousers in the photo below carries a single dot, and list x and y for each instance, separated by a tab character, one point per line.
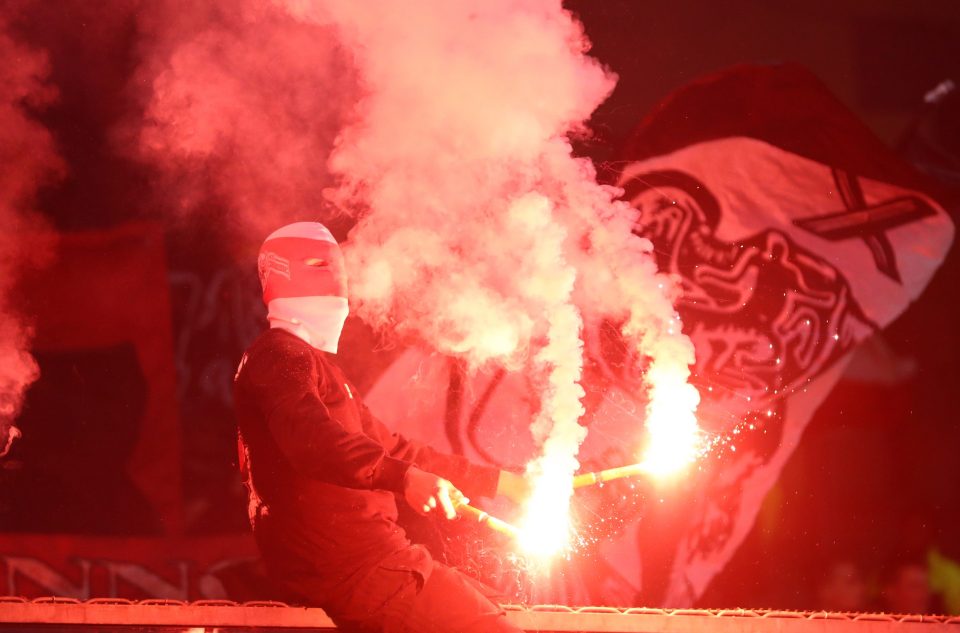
407	592
402	601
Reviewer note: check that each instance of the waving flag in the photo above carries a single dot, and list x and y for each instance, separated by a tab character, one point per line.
796	235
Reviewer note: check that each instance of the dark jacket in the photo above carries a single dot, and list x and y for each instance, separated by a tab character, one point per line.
321	470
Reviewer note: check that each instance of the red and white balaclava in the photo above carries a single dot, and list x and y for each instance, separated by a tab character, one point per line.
305	283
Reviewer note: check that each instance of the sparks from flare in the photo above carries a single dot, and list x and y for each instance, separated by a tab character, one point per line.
673	442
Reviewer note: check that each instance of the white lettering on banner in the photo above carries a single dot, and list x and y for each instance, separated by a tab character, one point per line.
147	581
78	579
46	577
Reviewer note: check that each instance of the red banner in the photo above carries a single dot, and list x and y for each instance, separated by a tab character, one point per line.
100	452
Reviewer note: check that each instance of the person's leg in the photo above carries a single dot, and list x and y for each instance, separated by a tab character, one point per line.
409	594
451	602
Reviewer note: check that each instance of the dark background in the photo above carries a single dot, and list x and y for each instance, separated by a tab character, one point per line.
876	477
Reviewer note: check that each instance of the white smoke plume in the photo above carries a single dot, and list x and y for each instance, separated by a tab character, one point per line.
480	233
28	160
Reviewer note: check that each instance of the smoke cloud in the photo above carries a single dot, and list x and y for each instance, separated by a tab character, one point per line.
28	160
442	128
479	231
241	106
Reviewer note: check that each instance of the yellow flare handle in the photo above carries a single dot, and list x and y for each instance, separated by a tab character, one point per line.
590	479
491	522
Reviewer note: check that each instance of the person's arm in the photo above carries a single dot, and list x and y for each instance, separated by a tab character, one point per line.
284	380
474	480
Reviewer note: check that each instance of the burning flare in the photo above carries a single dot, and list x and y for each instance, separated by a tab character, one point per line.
673	436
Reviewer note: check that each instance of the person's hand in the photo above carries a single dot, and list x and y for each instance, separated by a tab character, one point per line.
425	491
513	486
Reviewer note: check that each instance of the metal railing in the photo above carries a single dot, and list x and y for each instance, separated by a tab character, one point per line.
107	613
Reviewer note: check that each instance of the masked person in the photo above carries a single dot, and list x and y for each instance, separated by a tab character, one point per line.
324	476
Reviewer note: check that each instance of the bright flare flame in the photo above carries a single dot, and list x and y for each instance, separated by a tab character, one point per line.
545	527
673	435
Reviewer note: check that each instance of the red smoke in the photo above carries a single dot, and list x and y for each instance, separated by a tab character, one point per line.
28	160
241	104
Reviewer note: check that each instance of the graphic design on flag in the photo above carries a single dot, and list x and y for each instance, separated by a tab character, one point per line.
765	314
868	222
774	287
